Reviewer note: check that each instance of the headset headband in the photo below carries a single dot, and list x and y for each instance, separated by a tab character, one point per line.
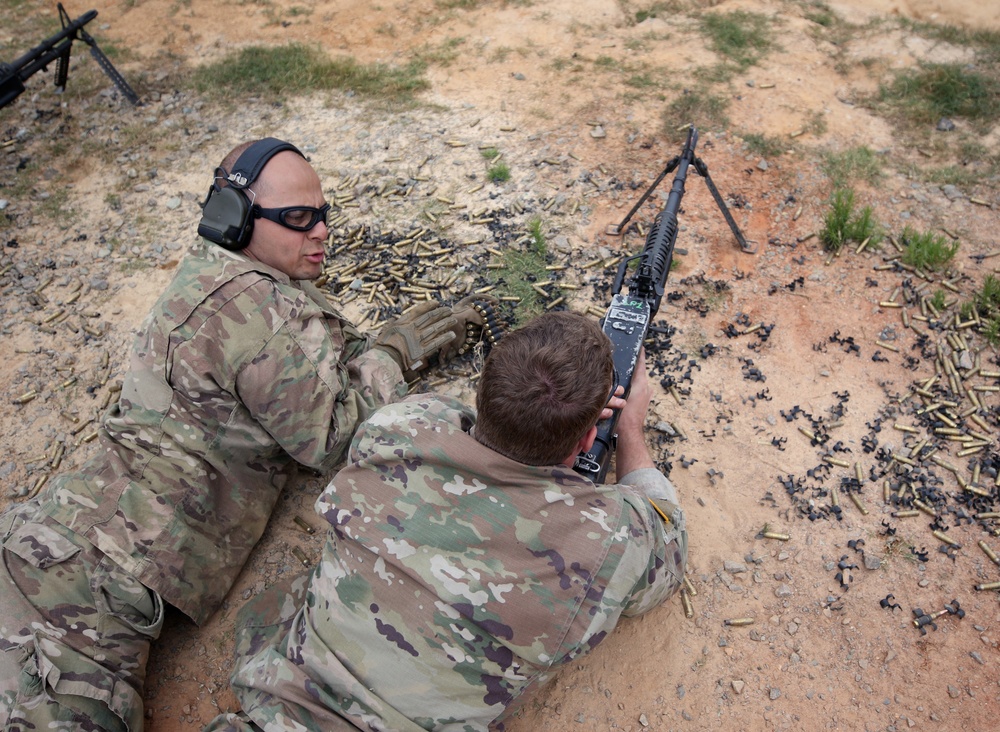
254	158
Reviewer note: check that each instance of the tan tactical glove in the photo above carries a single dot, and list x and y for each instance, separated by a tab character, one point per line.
432	333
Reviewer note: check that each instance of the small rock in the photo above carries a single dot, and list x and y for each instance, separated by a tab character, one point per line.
977	657
598	132
774	693
762	165
174	203
4	203
945	125
873	561
734	567
783	590
643	720
737	686
954	692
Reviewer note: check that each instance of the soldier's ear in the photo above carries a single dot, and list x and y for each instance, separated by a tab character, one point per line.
583	445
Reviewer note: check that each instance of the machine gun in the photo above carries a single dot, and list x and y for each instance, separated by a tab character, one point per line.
629	316
57	48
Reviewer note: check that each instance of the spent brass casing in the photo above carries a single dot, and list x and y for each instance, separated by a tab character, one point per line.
988	586
775	535
690	587
989	552
905	514
303	525
857	502
686	602
940	535
301	556
738	622
25	398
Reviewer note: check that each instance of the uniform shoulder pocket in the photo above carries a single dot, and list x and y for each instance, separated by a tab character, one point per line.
40	545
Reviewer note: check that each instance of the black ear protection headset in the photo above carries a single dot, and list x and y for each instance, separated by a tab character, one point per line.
227	214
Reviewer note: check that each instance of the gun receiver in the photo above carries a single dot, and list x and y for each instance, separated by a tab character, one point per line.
57	48
627	320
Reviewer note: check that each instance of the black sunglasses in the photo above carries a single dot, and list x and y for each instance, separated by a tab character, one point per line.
296	218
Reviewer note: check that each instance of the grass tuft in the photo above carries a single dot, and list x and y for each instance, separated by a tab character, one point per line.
741	37
697	106
296	68
926	250
499	172
842	224
932	91
856	163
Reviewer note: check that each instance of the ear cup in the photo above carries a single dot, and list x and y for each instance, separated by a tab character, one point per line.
227	214
226	219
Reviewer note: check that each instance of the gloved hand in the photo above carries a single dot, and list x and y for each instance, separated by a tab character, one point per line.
414	338
433	333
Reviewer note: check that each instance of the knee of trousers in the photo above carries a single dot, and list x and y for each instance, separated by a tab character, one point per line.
56	620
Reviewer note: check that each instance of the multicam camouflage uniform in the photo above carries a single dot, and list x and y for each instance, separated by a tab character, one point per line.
453	580
238	374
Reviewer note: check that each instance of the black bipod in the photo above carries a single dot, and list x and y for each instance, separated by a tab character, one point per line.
702	170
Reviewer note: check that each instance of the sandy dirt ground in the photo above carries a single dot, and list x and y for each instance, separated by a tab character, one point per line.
787	379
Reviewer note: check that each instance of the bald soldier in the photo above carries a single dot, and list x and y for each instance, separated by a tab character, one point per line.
241	372
466	560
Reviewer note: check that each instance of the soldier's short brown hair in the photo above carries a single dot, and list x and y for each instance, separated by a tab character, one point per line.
543	386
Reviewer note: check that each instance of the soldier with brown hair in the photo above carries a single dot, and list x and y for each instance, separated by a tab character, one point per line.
241	372
466	560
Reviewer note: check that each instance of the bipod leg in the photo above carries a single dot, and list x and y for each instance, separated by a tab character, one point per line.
620	229
108	68
745	246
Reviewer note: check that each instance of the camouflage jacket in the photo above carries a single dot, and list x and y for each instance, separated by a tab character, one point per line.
454	579
237	375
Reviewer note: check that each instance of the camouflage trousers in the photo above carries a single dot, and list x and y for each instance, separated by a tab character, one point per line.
75	631
274	695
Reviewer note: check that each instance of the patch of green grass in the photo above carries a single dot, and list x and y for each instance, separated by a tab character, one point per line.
856	163
924	95
444	54
489	153
538	245
661	9
521	269
987	303
985	42
499	172
763	145
695	106
607	63
741	37
926	250
938	300
278	71
842	224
